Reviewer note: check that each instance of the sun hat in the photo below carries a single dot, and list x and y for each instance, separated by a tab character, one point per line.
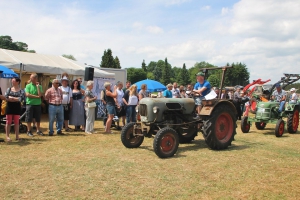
65	79
293	89
200	74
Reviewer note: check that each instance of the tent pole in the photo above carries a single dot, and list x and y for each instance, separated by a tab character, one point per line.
21	70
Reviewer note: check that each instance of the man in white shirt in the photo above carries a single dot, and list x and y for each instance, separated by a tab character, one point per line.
67	101
175	91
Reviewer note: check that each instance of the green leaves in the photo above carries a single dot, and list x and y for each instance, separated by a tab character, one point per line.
108	61
6	42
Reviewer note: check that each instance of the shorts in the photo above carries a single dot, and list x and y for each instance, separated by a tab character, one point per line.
198	100
111	110
66	111
10	118
33	111
121	112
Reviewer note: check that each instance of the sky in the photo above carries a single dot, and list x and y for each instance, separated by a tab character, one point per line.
263	34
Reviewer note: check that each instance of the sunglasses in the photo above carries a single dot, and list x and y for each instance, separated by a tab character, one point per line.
55	83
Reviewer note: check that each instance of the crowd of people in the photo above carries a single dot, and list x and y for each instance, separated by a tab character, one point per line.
70	103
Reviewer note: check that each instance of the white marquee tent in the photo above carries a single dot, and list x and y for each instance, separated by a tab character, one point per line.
45	64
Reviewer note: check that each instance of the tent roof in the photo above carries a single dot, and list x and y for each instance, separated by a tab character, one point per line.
47	64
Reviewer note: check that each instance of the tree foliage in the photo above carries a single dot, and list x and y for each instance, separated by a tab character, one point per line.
6	42
69	56
108	61
166	72
238	75
136	74
117	63
183	78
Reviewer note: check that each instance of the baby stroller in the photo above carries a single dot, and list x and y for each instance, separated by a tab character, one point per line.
115	121
22	127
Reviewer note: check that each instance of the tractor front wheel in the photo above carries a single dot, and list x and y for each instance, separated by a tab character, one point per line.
279	129
128	139
293	121
245	125
166	142
260	125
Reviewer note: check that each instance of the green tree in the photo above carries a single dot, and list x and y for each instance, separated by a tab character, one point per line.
238	75
166	72
175	75
117	63
6	42
151	66
136	74
69	56
144	67
150	75
157	71
184	76
214	80
107	59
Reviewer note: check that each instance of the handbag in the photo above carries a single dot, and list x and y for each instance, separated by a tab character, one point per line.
92	105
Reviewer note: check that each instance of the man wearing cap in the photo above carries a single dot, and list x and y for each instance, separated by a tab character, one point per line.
202	87
294	97
168	92
67	101
279	95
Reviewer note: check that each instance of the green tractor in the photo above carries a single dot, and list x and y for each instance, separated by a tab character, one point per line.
267	112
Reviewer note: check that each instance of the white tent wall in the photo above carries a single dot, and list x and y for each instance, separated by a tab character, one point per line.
46	66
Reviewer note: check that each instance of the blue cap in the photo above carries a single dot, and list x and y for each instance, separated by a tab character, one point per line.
277	85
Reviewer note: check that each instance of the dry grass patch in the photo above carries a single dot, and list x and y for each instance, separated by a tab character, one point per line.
77	166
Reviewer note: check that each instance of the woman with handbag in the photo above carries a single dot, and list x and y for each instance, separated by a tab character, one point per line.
110	105
90	106
14	97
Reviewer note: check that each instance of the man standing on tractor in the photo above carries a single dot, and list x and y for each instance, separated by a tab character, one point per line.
201	88
279	95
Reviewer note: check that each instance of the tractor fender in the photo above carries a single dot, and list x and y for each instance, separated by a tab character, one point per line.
290	107
208	109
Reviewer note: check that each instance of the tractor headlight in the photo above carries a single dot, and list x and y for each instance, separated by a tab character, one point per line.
155	109
137	109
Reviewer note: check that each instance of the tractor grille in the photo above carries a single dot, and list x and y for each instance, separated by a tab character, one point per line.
143	109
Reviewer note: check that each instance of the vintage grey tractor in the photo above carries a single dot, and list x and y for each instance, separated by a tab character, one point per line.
267	111
171	121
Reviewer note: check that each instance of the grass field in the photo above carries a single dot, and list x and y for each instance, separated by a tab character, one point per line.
77	166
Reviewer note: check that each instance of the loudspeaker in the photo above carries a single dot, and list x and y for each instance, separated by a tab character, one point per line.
89	74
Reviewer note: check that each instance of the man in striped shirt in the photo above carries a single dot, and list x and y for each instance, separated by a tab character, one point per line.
54	97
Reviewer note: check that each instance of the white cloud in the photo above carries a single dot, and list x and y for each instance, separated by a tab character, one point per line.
224	11
154	29
205	8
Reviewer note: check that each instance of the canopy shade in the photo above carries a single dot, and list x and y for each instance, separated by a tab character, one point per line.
46	64
7	73
152	86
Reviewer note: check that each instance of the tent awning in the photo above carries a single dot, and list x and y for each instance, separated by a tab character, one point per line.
46	64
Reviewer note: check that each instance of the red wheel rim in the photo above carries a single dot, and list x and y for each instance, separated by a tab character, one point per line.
247	126
167	143
295	120
281	128
224	127
262	124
